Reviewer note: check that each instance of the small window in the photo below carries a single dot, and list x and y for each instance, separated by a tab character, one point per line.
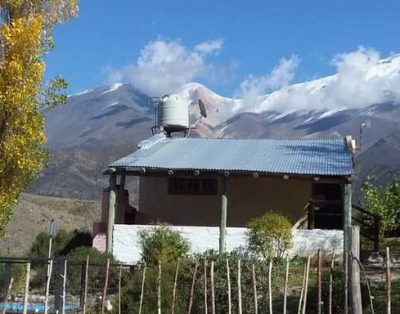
193	186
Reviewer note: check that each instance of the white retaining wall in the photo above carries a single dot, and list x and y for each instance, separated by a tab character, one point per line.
305	242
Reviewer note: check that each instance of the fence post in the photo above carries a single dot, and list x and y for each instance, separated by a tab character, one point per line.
104	295
159	288
319	271
302	289
355	287
7	295
192	288
26	294
270	286
228	278
212	288
60	269
306	285
205	287
388	282
85	285
119	289
239	287
253	269
174	288
286	285
142	290
331	283
48	279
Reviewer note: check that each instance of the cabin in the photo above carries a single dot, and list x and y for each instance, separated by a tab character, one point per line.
214	187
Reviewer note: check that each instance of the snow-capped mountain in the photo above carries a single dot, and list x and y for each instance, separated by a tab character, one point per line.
101	124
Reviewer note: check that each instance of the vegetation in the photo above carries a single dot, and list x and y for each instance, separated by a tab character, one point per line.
384	202
161	243
269	236
25	37
63	243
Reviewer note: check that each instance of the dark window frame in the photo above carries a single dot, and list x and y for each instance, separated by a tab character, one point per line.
192	185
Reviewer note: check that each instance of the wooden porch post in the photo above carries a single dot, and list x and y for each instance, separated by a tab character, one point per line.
111	212
347	212
224	207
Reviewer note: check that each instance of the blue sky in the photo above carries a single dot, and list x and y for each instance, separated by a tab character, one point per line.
226	40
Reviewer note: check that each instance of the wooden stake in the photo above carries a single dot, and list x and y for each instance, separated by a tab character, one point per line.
286	286
388	282
159	288
346	281
228	278
85	289
192	288
319	282
253	269
26	294
64	286
306	285
46	297
331	283
302	289
205	287
355	286
212	288
7	296
119	289
239	288
174	289
142	290
371	304
103	300
270	286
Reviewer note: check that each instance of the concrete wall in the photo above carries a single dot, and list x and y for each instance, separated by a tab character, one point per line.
247	198
305	242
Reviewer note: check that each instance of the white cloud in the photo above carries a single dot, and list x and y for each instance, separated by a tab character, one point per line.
212	46
252	89
164	66
362	79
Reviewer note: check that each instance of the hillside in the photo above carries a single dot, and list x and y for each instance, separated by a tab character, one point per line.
33	214
100	125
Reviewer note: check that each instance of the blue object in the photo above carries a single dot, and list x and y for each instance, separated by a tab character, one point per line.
329	157
14	307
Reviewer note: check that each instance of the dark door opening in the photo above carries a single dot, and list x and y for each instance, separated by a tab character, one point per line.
327	203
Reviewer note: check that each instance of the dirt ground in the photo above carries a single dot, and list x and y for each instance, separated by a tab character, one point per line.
33	214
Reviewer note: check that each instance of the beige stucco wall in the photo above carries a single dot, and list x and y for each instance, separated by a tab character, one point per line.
247	198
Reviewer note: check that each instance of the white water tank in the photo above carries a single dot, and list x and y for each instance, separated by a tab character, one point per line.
173	113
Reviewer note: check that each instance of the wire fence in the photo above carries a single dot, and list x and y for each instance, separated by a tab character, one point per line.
211	284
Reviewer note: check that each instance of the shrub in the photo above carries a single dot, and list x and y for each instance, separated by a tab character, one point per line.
161	243
63	243
96	272
384	202
269	235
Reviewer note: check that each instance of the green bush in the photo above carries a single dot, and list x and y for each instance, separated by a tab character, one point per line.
63	243
96	272
161	243
384	202
269	236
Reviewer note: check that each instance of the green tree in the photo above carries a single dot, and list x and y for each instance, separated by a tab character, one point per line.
383	201
161	243
25	38
269	235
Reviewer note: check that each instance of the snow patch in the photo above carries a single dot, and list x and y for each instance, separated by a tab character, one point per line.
111	105
112	88
85	91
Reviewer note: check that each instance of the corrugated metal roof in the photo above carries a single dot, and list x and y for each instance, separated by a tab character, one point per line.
302	157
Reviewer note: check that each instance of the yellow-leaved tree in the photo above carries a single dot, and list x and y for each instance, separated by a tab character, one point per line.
25	37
